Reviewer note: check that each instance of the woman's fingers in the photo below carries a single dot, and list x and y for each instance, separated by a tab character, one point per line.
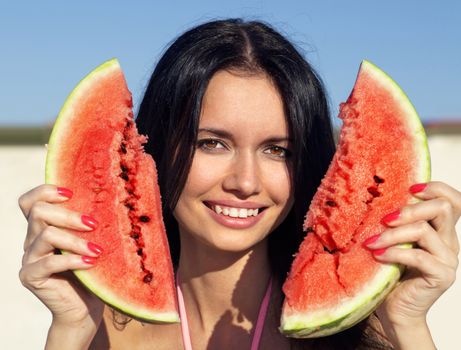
33	275
43	193
43	214
439	212
431	257
40	262
38	206
437	189
51	238
436	274
420	233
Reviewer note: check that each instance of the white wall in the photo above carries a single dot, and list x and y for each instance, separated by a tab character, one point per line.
24	320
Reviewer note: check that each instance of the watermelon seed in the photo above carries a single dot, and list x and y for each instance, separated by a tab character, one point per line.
148	277
130	204
135	228
331	203
123	167
309	229
373	190
378	179
144	218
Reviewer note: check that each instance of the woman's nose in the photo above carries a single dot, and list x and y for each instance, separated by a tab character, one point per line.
243	178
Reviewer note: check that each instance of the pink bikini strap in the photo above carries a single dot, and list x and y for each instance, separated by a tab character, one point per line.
259	324
183	317
261	317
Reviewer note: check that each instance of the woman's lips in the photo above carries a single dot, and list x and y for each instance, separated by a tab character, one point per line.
236	217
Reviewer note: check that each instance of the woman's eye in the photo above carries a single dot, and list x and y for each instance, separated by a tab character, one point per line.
278	151
209	144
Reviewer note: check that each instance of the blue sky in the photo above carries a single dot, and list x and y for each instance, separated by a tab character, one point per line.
48	46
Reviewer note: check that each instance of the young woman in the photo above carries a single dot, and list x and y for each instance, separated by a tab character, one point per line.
239	126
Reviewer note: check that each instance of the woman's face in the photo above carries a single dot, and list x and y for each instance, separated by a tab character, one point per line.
239	188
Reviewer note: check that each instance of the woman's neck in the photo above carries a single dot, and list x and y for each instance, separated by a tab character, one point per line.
222	290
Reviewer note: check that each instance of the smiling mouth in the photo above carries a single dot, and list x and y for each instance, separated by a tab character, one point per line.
235	212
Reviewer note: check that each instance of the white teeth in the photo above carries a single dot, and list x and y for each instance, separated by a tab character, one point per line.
243	213
235	212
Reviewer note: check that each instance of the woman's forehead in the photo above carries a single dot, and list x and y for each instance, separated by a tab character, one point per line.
237	101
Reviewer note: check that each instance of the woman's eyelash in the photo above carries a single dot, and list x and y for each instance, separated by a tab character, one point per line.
278	151
214	145
209	144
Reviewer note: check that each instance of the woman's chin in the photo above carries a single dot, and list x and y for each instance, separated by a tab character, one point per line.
234	243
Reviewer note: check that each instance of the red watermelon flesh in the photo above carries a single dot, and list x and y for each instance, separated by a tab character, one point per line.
96	151
334	281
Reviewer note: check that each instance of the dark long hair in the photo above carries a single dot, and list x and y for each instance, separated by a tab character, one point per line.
170	110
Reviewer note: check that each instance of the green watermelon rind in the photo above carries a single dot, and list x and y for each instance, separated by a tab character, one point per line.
353	310
59	132
327	321
413	121
58	136
110	298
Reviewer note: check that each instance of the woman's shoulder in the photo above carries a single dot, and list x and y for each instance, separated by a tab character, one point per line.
120	332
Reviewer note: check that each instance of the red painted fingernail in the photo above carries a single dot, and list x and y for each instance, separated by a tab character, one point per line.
89	221
391	217
380	251
416	188
65	192
370	240
95	248
89	260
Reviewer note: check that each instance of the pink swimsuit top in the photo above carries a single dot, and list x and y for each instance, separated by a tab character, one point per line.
259	324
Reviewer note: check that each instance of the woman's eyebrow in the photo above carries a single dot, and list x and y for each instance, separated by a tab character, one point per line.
225	134
277	139
217	132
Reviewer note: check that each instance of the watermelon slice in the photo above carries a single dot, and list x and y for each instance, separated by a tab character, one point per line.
334	281
95	150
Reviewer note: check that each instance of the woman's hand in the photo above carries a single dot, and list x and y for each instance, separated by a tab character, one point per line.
431	263
45	273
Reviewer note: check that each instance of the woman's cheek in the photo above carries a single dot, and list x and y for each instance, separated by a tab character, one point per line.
205	173
278	182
